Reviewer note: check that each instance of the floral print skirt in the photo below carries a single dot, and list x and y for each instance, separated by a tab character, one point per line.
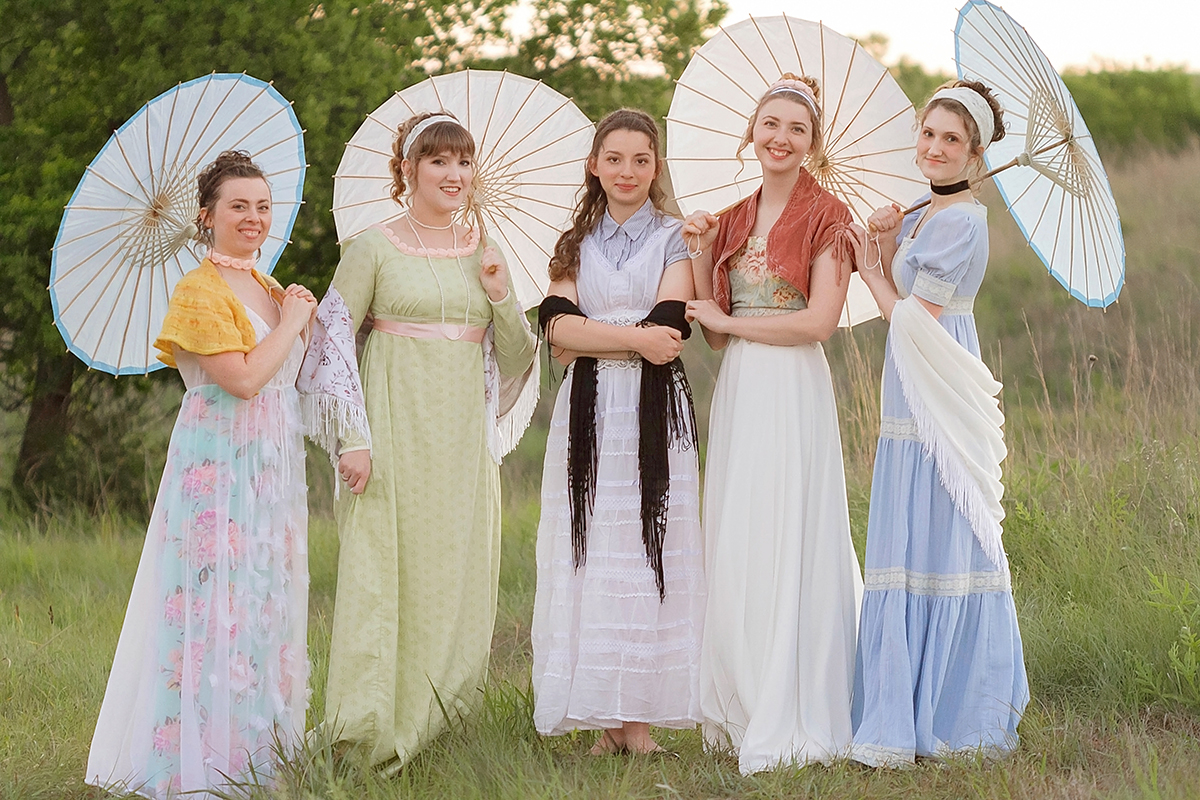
210	675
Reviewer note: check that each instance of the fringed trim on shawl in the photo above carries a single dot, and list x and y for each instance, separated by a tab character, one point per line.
666	418
510	401
952	395
332	405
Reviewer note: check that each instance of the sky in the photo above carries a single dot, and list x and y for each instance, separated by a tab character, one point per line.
1072	33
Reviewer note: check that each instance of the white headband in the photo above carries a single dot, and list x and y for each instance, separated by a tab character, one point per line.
804	96
420	127
976	106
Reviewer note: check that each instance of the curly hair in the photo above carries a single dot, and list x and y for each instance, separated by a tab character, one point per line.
564	264
228	165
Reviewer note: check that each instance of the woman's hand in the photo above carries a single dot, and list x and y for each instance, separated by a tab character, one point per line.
708	314
355	469
700	231
305	294
885	220
865	247
659	344
493	275
299	307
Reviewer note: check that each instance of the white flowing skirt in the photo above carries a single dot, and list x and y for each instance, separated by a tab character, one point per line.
784	585
605	650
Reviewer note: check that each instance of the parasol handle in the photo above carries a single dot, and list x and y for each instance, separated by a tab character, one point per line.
1020	160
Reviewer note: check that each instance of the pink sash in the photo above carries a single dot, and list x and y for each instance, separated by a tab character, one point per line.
431	330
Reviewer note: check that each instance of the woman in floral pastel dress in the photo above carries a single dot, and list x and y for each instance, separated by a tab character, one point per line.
211	668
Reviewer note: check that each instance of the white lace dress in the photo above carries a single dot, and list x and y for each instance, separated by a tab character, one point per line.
605	649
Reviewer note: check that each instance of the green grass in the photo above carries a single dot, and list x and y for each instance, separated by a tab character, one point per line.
1103	530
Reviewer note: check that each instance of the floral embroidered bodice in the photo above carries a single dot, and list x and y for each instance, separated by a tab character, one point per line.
754	289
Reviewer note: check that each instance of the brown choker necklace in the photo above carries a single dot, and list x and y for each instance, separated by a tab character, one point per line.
950	188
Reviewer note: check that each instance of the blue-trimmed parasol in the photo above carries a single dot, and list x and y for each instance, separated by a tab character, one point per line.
1062	202
126	236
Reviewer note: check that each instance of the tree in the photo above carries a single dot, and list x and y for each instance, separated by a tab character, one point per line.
72	71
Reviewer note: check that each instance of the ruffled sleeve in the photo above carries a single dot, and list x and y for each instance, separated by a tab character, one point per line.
943	252
204	317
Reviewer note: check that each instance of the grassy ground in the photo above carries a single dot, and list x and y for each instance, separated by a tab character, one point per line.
1103	530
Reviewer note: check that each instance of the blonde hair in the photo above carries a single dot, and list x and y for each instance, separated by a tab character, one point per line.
818	134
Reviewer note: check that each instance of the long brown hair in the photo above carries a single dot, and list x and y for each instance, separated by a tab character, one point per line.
564	264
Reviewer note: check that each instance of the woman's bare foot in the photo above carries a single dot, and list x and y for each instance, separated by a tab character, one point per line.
637	739
610	742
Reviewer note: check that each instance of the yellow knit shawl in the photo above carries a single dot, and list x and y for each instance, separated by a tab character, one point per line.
206	317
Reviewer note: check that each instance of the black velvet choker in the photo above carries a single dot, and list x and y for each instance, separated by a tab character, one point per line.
950	188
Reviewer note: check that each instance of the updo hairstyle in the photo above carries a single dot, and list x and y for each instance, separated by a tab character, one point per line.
959	110
229	164
818	134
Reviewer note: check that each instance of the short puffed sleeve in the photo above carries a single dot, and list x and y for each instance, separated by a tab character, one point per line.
204	317
677	249
943	252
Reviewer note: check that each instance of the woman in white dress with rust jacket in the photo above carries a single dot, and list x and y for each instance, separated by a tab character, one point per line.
784	584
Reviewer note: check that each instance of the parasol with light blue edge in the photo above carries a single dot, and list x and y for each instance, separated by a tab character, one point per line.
1060	198
127	235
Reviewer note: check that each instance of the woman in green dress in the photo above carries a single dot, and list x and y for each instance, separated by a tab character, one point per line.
419	528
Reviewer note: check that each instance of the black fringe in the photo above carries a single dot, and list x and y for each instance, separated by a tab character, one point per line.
582	456
666	417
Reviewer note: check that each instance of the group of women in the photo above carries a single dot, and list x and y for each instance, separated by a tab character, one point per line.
755	625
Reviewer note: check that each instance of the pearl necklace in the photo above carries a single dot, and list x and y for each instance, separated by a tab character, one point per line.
441	292
413	218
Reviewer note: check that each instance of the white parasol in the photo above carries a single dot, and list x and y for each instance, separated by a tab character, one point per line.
530	147
123	241
1063	204
868	123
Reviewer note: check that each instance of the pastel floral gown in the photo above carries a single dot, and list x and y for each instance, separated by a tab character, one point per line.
211	668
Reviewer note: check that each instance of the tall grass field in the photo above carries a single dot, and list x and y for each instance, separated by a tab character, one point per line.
1103	531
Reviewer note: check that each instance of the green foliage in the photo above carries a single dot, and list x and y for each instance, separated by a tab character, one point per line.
1128	108
1179	682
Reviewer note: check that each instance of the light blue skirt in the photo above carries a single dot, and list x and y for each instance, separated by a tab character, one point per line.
939	669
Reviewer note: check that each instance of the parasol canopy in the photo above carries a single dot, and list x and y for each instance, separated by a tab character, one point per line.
1063	203
868	123
124	239
531	144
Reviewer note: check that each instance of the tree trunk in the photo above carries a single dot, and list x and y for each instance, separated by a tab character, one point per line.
47	425
6	107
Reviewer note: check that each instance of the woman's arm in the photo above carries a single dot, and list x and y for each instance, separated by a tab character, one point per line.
868	248
829	281
700	231
571	336
244	374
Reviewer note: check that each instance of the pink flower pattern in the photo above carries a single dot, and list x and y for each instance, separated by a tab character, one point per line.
225	565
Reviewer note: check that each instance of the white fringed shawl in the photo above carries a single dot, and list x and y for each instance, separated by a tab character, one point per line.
952	395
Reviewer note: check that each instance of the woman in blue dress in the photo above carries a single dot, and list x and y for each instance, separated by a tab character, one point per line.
939	667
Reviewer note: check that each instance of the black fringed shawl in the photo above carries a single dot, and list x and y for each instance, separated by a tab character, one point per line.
666	416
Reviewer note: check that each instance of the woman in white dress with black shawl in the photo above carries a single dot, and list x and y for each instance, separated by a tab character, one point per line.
620	586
